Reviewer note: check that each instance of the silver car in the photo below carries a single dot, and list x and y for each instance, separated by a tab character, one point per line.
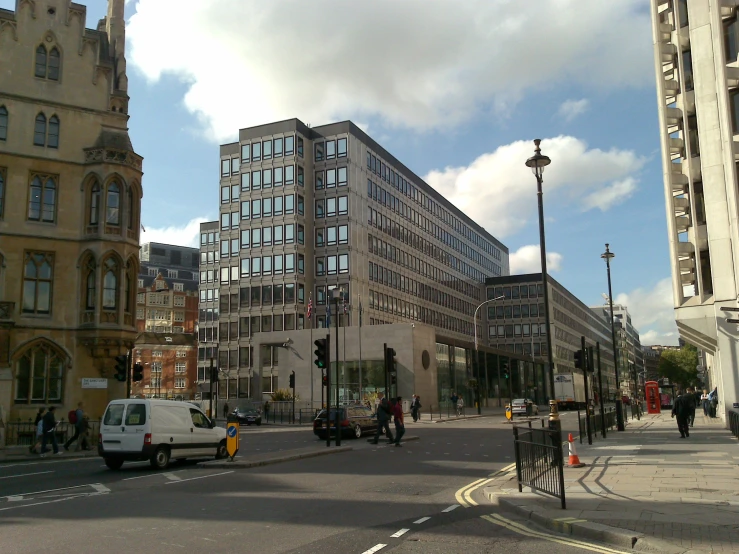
519	407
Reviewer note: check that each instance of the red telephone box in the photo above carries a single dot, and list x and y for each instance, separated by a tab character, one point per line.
651	390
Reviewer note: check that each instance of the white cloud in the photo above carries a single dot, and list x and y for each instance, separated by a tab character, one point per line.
183	235
498	191
413	63
527	259
652	313
570	109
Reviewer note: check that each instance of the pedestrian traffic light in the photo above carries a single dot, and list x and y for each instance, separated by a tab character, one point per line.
292	380
121	368
321	352
391	364
138	373
506	374
324	380
393	378
580	359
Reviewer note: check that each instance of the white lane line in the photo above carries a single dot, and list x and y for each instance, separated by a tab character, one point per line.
138	477
421	520
49	490
25	475
201	477
374	549
399	533
100	487
450	508
40	503
14	498
172	476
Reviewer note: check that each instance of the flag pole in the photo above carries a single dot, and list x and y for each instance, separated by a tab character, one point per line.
310	346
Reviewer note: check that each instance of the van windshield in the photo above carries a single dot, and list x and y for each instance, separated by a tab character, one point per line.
136	414
113	415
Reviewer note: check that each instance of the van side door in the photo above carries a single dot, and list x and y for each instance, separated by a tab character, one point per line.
204	439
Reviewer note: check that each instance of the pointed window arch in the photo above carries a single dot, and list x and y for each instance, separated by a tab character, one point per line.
42	199
95	203
38	278
39	130
90	277
39	374
52	139
41	61
3	123
113	204
55	62
110	284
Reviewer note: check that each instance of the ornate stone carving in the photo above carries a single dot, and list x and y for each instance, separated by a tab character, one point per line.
31	3
6	311
10	25
113	156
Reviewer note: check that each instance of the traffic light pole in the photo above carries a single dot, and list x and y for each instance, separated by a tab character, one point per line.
584	359
292	378
385	367
600	392
338	405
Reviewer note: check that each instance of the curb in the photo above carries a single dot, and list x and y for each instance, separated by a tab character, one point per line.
405	439
460	418
36	458
276	460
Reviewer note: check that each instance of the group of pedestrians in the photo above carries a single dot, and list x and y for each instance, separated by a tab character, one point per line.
387	411
458	402
46	424
686	402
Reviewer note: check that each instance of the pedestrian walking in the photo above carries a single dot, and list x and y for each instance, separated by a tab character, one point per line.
416	408
75	418
48	426
704	402
266	410
225	410
460	406
83	443
383	421
713	402
38	428
681	411
453	398
398	416
690	402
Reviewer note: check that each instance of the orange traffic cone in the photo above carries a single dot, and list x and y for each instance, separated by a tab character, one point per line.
574	460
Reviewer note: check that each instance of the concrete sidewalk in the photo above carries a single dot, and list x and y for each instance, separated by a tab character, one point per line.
645	488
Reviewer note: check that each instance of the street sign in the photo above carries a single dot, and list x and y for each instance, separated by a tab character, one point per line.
94	383
232	438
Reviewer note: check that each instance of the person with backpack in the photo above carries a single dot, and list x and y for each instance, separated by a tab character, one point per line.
383	421
75	418
48	426
83	443
38	431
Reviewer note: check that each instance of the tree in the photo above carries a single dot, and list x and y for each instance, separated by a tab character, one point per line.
284	395
680	366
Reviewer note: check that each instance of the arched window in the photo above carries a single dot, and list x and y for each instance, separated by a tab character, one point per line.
110	285
112	204
95	204
131	218
3	123
39	376
41	61
90	285
42	199
52	140
38	278
54	64
39	130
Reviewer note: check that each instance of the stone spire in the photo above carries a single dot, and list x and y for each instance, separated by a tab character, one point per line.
115	26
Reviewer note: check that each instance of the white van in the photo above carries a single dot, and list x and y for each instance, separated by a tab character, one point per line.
157	430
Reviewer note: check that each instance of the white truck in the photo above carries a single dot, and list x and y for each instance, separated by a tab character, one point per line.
569	390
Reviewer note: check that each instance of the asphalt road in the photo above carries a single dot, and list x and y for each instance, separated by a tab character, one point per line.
350	502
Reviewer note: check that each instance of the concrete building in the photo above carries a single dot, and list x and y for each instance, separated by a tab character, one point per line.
651	362
70	196
517	324
170	366
305	211
696	48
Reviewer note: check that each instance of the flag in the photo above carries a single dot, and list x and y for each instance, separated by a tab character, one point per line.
328	315
310	305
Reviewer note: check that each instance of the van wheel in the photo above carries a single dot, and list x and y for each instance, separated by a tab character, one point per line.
222	451
357	431
160	459
113	463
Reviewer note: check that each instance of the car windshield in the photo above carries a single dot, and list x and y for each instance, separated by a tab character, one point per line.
322	414
519	401
248	411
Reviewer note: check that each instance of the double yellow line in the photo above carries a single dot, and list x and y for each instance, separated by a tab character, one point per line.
464	495
528	532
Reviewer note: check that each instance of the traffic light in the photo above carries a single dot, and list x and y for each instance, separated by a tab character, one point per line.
324	380
391	364
292	380
321	352
138	373
121	368
580	362
393	379
506	373
591	360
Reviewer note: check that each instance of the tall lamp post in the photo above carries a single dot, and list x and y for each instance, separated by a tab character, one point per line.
477	357
537	163
608	256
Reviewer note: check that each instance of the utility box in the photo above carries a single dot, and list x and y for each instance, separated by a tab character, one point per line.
406	406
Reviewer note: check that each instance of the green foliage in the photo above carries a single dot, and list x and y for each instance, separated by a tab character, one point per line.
283	395
680	366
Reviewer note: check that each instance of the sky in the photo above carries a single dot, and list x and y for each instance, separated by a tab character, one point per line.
455	90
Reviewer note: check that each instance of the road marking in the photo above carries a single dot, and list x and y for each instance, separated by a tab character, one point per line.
201	477
450	508
374	549
399	533
49	490
14	498
139	477
421	520
40	503
172	476
526	531
100	487
467	496
25	475
460	493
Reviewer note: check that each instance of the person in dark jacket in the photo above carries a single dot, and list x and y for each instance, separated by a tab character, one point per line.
690	400
49	428
383	421
681	412
38	437
398	415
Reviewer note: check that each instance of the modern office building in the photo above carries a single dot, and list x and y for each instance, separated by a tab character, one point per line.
181	262
652	355
305	211
517	324
70	198
696	51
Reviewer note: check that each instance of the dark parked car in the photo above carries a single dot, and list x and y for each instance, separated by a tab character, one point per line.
353	421
248	416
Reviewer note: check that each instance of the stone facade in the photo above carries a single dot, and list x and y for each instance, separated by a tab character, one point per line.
70	197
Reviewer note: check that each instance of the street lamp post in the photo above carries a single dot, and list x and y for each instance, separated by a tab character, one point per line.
537	163
608	256
336	293
477	357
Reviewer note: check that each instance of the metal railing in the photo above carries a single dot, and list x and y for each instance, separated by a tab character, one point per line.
540	461
734	421
23	433
596	423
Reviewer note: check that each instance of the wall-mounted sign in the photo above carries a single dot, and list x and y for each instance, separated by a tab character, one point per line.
94	383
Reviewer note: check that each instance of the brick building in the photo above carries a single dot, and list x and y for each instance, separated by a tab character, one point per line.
170	365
